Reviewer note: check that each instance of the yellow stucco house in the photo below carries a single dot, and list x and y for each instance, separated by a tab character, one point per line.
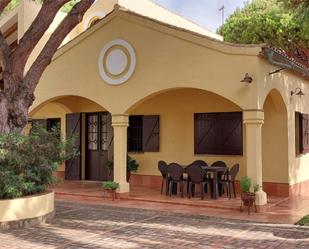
135	78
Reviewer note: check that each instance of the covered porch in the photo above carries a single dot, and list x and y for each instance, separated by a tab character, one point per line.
251	142
175	125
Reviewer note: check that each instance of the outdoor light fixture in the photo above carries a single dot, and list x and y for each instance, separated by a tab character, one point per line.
247	78
297	92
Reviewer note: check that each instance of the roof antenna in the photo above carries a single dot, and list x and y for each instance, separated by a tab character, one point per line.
222	10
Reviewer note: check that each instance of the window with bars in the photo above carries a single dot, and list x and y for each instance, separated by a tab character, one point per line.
218	133
104	131
93	131
97	129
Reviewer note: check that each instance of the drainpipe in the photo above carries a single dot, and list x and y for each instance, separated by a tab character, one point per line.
270	56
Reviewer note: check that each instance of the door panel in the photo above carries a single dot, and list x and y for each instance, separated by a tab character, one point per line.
73	128
97	146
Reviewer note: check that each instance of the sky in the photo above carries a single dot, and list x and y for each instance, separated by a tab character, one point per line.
203	12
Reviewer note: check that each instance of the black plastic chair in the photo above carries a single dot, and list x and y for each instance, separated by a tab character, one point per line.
220	174
175	176
162	166
196	175
229	180
199	163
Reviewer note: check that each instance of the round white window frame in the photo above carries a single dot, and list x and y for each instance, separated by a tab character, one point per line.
132	61
98	14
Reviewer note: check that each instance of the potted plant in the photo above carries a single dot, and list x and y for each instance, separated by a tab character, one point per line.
247	195
132	166
111	188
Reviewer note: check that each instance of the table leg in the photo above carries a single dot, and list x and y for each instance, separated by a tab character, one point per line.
215	185
174	188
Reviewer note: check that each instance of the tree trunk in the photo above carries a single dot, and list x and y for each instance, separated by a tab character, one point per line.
14	105
4	126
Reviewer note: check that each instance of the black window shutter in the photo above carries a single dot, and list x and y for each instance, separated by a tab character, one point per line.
305	133
74	128
151	133
203	130
218	133
135	134
110	137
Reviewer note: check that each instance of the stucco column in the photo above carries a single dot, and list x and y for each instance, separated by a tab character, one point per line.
253	120
120	124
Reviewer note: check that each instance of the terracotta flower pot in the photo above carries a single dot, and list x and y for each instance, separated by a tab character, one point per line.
111	193
128	175
248	199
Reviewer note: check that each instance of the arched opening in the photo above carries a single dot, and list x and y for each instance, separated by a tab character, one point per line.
90	123
275	145
177	111
93	18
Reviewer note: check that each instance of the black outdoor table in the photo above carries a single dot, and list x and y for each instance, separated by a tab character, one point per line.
215	171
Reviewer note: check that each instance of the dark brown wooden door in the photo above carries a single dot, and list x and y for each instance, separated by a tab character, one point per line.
98	144
73	128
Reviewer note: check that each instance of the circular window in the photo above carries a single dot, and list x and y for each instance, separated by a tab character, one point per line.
117	62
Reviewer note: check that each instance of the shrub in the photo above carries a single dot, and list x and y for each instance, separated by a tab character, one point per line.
245	184
303	221
256	188
27	163
132	165
110	185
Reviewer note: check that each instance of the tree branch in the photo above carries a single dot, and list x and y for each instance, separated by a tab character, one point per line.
3	4
35	32
5	51
73	18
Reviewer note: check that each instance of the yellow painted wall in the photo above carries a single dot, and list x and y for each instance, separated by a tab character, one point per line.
173	59
75	71
176	109
275	140
284	83
27	207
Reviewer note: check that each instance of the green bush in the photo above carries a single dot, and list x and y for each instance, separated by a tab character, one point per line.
303	221
110	185
27	163
245	184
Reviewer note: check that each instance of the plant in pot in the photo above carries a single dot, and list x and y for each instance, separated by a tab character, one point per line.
111	188
248	196
132	166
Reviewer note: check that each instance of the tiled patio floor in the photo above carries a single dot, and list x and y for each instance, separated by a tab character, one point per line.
279	210
78	225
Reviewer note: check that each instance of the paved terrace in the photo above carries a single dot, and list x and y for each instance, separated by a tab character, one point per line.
80	225
278	210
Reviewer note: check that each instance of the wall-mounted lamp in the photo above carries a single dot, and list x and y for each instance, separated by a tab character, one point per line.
297	92
247	78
